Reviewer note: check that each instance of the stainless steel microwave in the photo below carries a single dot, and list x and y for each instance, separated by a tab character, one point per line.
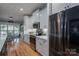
36	25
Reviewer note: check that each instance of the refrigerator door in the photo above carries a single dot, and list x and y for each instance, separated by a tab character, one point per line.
56	33
72	28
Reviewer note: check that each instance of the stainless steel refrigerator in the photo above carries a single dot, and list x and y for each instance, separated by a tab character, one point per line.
64	32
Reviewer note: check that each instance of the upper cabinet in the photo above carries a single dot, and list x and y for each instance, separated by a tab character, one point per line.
35	16
43	18
70	5
40	15
27	23
57	7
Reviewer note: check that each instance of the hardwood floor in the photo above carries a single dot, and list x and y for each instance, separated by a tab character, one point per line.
20	49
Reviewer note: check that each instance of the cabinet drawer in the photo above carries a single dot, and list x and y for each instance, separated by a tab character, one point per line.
43	42
44	51
41	46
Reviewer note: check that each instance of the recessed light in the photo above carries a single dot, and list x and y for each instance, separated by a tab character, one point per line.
21	9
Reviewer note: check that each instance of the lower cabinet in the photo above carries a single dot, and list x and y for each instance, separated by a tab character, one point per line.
41	46
27	38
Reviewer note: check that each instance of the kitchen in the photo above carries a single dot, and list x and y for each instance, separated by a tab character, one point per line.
37	30
44	29
59	39
26	27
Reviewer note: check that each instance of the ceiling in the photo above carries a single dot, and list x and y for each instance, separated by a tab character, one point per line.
13	10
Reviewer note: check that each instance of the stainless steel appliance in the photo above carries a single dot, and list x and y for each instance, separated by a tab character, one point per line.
36	25
72	17
33	42
64	32
56	33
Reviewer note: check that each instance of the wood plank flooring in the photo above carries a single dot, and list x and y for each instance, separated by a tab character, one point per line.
20	49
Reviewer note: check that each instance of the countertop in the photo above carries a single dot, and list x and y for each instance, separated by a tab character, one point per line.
42	37
2	41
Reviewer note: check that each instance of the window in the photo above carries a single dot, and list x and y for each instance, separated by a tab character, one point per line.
10	27
3	27
6	28
3	33
16	27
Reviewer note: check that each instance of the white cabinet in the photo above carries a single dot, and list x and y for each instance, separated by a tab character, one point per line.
27	23
49	9
43	18
40	16
73	4
35	16
57	7
26	38
42	46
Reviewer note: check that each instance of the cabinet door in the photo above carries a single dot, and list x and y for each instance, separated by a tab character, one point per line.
38	47
73	5
27	23
44	46
41	46
43	18
26	38
57	7
36	16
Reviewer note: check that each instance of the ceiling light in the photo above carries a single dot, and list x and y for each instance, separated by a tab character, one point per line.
21	9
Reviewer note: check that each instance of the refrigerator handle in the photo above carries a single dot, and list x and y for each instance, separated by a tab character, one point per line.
66	32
